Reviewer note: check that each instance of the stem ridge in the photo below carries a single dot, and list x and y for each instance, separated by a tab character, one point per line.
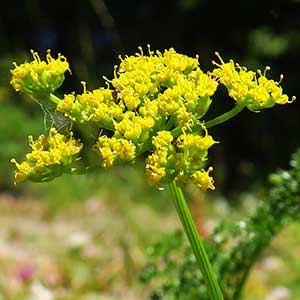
196	242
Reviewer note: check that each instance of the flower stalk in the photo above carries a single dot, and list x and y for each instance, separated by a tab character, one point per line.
54	98
226	116
195	242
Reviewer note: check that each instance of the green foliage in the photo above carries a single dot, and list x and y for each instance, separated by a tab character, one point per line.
18	119
265	42
12	141
233	247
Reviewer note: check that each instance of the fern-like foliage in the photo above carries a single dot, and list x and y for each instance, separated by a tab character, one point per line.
233	247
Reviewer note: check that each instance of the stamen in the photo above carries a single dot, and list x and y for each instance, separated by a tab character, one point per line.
84	86
141	50
205	129
280	78
158	53
115	71
106	79
149	50
48	56
219	57
35	56
267	68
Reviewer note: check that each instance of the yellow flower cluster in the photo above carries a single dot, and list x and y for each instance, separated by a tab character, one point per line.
180	160
155	103
39	77
113	149
157	162
254	90
168	80
50	157
134	127
149	96
156	86
203	180
97	106
187	141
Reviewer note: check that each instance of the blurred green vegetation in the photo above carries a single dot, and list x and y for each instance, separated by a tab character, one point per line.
19	118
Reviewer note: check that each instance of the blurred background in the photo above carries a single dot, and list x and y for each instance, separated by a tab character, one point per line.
91	34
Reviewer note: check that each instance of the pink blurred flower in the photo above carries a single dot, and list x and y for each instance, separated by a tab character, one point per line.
24	272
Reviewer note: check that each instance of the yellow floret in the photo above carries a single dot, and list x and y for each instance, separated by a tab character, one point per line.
97	106
179	62
156	166
132	127
39	77
203	180
254	90
162	140
50	157
112	149
186	141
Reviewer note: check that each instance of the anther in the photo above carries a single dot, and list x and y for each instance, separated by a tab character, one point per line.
219	57
141	50
106	79
280	78
35	56
149	50
115	70
267	68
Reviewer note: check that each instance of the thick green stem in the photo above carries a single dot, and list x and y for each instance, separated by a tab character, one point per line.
226	116
196	242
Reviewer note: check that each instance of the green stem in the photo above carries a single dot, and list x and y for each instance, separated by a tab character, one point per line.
4	292
54	98
196	242
240	286
226	116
